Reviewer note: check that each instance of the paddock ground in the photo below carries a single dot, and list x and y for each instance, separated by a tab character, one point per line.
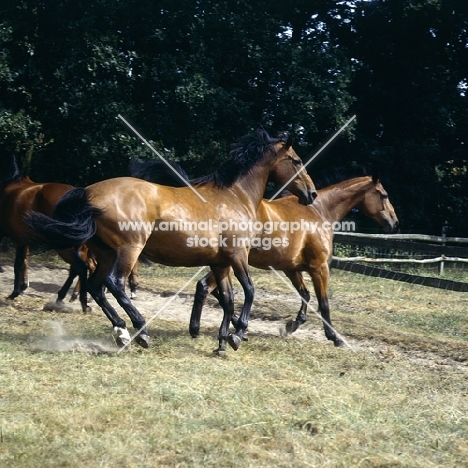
396	396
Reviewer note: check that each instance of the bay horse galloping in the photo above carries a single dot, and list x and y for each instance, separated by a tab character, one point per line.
308	249
232	195
18	195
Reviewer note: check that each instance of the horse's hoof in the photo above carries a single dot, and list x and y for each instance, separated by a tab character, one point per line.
194	332
86	309
74	297
246	336
133	295
291	326
221	352
339	343
234	341
12	296
122	337
143	340
123	343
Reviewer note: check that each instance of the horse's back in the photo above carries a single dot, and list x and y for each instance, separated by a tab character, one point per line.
25	195
47	195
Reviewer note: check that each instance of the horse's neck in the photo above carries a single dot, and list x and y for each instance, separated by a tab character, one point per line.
252	186
335	202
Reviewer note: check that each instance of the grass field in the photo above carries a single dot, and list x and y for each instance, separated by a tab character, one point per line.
400	399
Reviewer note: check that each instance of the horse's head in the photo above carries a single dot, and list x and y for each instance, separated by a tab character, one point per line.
289	172
377	206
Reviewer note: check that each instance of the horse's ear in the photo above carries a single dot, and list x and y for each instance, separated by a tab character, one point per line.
289	141
375	176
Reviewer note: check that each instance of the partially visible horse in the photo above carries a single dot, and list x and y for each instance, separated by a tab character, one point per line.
308	249
19	195
233	193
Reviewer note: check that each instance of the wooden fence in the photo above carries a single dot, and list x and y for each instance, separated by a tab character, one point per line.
441	248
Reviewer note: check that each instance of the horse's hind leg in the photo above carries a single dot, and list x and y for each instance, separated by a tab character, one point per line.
133	280
206	285
297	280
320	276
241	270
21	271
226	299
96	289
95	286
115	282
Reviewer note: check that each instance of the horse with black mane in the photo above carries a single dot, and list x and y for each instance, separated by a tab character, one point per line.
91	215
306	250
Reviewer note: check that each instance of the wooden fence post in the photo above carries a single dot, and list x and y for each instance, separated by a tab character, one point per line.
444	236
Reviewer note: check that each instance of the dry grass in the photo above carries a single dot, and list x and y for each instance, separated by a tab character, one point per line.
400	400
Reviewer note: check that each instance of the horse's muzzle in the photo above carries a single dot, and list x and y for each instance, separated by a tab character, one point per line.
391	226
308	197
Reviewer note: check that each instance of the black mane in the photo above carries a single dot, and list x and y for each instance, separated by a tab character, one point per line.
9	170
158	172
243	156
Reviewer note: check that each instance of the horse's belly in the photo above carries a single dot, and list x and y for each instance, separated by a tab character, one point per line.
180	249
279	258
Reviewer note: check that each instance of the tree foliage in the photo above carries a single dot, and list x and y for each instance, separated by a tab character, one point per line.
193	76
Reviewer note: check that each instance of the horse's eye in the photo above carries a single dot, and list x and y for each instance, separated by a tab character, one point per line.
297	162
383	196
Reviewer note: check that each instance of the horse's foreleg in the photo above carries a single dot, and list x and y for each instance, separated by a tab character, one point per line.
66	286
20	269
206	285
320	277
82	268
76	291
78	267
241	270
298	282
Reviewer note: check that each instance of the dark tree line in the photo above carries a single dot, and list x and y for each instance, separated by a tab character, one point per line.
193	76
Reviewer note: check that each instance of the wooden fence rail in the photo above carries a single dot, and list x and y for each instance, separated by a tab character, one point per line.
429	245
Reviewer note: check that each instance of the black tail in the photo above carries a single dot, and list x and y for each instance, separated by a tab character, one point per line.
72	223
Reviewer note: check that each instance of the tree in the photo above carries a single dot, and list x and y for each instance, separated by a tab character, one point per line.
410	58
194	76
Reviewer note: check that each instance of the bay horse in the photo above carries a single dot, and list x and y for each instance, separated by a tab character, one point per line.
18	195
211	210
157	172
308	250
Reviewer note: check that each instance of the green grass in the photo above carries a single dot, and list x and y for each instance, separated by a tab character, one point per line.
399	400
